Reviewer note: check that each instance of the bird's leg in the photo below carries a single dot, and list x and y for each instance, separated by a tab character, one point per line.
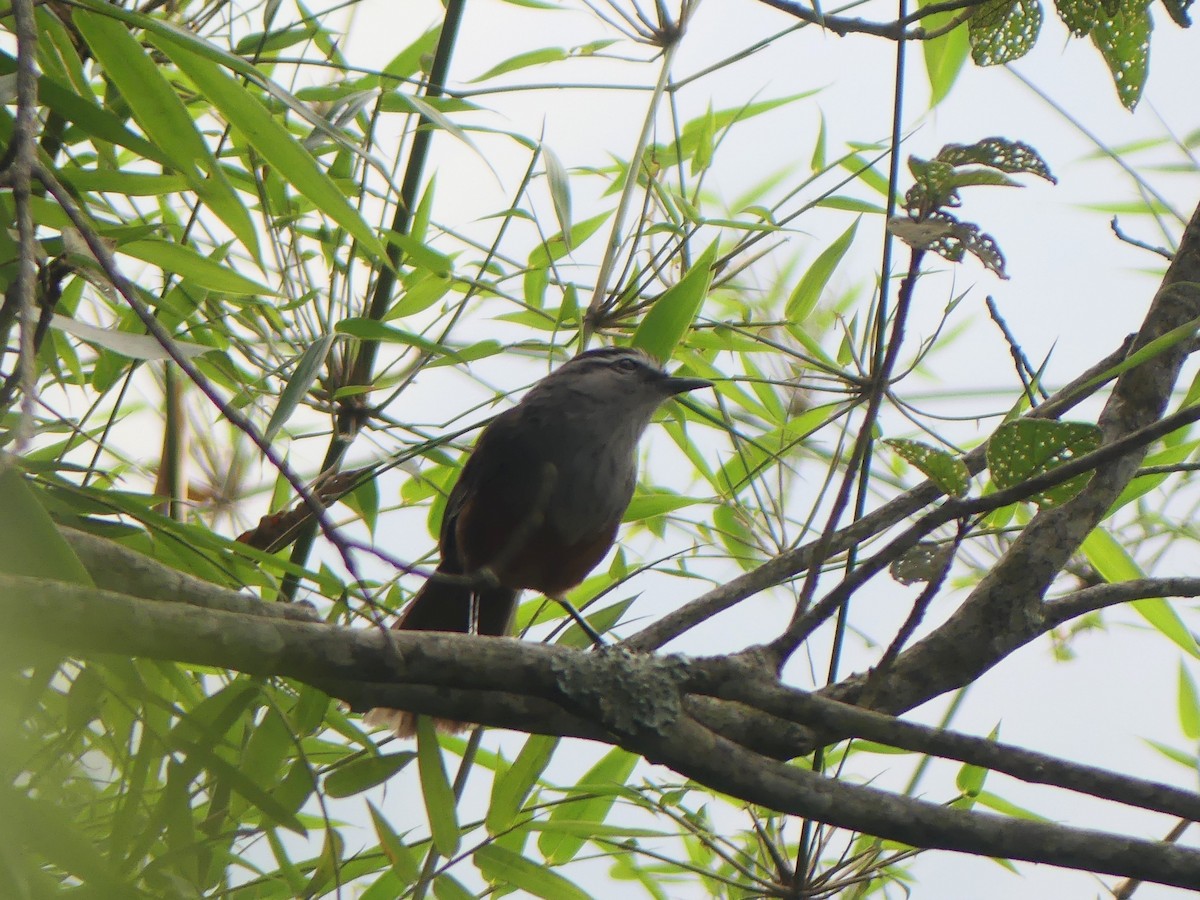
583	623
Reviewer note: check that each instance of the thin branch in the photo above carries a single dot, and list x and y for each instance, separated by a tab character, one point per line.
787	565
897	30
128	291
19	163
732	681
1101	596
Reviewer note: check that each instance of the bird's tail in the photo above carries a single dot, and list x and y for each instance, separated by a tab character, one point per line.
445	606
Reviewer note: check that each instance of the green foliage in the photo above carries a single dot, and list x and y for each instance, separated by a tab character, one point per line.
931	226
1004	30
1022	450
948	472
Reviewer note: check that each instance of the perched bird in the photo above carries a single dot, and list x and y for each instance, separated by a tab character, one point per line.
538	502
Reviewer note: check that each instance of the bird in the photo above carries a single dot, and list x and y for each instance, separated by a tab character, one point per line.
538	501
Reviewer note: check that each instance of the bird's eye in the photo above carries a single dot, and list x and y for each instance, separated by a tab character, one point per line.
625	364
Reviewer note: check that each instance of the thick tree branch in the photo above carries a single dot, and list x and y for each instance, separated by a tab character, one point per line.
724	766
794	705
1101	596
115	567
634	700
1006	609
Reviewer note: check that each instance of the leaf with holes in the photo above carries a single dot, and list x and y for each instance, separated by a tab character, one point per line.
1022	450
1080	16
1124	41
1003	30
950	239
998	153
924	562
1178	11
947	471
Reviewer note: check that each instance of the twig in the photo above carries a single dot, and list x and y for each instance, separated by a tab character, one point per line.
1024	370
128	291
1161	251
20	159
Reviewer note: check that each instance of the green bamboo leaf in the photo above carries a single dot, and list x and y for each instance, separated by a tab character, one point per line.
94	120
971	778
817	164
308	367
270	744
769	447
413	58
602	783
501	866
30	543
663	327
403	858
1185	758
944	55
85	698
512	787
175	806
864	170
427	110
435	789
1142	485
202	271
804	298
237	781
647	504
447	887
555	248
162	115
270	139
1150	350
1113	562
560	190
365	772
262	43
51	833
703	156
594	829
602	620
373	330
420	292
1189	705
420	254
850	204
524	60
131	184
1007	807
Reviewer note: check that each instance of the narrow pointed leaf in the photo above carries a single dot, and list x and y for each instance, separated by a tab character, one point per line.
435	789
268	137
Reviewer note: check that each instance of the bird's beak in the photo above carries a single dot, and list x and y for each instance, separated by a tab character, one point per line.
674	384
